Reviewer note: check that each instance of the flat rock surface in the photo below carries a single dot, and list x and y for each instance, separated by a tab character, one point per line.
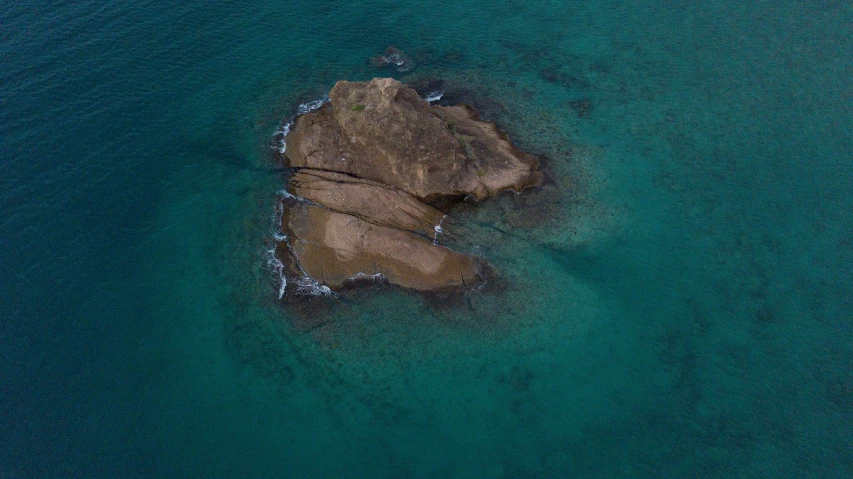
334	248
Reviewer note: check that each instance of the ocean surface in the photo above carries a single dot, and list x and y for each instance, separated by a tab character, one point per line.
677	302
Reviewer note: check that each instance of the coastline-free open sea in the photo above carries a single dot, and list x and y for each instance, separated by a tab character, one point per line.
683	309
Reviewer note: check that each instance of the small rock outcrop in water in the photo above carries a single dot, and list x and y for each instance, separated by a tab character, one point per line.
367	166
395	58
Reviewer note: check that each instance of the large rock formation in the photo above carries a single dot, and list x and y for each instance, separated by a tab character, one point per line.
369	163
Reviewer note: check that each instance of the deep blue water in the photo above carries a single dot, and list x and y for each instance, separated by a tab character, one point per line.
685	309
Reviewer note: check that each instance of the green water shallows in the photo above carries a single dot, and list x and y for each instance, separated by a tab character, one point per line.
684	310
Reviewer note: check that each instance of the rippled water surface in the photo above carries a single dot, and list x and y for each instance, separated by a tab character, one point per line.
676	302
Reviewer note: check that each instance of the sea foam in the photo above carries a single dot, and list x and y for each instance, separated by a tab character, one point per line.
438	230
277	268
283	130
434	95
304	284
308	286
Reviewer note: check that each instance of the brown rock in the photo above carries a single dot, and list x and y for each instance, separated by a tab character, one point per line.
334	248
383	131
368	162
315	142
499	164
371	201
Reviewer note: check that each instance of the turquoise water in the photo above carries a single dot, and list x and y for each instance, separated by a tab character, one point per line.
677	302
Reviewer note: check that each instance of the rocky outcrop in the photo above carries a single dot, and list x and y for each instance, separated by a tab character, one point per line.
368	163
395	58
334	248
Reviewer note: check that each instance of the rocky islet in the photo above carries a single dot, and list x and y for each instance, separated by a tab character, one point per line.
368	168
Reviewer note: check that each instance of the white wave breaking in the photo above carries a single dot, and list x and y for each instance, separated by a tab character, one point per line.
398	61
280	135
284	194
434	95
277	268
312	105
275	265
279	144
438	230
308	286
303	284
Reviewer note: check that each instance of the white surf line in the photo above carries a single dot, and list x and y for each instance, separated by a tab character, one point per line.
434	95
438	230
285	128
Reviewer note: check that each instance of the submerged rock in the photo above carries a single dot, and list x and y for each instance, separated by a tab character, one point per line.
369	162
393	57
